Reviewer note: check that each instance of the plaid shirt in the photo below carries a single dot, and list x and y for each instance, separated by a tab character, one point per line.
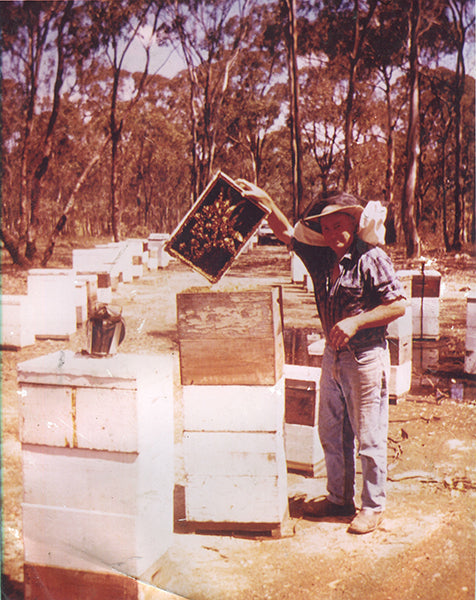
367	279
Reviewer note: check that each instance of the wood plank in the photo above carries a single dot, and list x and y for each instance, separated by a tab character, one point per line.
242	361
202	314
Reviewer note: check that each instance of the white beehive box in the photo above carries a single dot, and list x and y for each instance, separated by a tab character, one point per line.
136	249
121	259
425	299
52	298
234	455
98	260
470	357
403	326
303	448
81	293
298	270
97	446
400	379
156	245
91	281
17	322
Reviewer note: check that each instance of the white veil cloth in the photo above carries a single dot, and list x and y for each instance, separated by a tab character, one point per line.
371	227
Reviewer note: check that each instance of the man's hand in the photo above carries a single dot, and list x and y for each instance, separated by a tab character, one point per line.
382	315
257	194
342	332
278	222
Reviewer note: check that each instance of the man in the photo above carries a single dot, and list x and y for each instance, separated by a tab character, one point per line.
357	295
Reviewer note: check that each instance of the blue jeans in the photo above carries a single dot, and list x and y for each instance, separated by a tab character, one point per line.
353	405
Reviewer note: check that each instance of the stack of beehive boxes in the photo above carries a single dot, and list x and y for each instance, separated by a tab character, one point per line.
399	337
136	250
231	361
156	246
470	357
425	295
97	453
303	448
91	283
426	286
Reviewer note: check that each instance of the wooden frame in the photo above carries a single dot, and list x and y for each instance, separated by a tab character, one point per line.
216	228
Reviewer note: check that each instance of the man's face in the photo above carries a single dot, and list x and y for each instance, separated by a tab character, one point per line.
338	230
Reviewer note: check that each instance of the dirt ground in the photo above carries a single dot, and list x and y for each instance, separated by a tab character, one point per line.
425	549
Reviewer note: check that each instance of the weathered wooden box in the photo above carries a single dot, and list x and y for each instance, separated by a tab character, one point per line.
97	453
230	338
216	228
303	448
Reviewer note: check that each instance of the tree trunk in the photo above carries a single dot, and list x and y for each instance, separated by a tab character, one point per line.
70	204
412	239
12	246
42	168
458	94
359	37
391	226
443	192
294	109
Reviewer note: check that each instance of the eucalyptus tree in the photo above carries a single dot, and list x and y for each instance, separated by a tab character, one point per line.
156	157
210	35
461	17
294	118
113	27
37	38
322	126
382	64
257	94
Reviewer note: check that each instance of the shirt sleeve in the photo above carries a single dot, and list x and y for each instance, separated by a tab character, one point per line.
316	259
381	278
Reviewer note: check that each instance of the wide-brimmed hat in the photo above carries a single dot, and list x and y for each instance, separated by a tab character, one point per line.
344	203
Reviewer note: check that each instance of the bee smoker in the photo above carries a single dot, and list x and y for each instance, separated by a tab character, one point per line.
105	330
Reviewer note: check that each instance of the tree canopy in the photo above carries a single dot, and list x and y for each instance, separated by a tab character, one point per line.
381	105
